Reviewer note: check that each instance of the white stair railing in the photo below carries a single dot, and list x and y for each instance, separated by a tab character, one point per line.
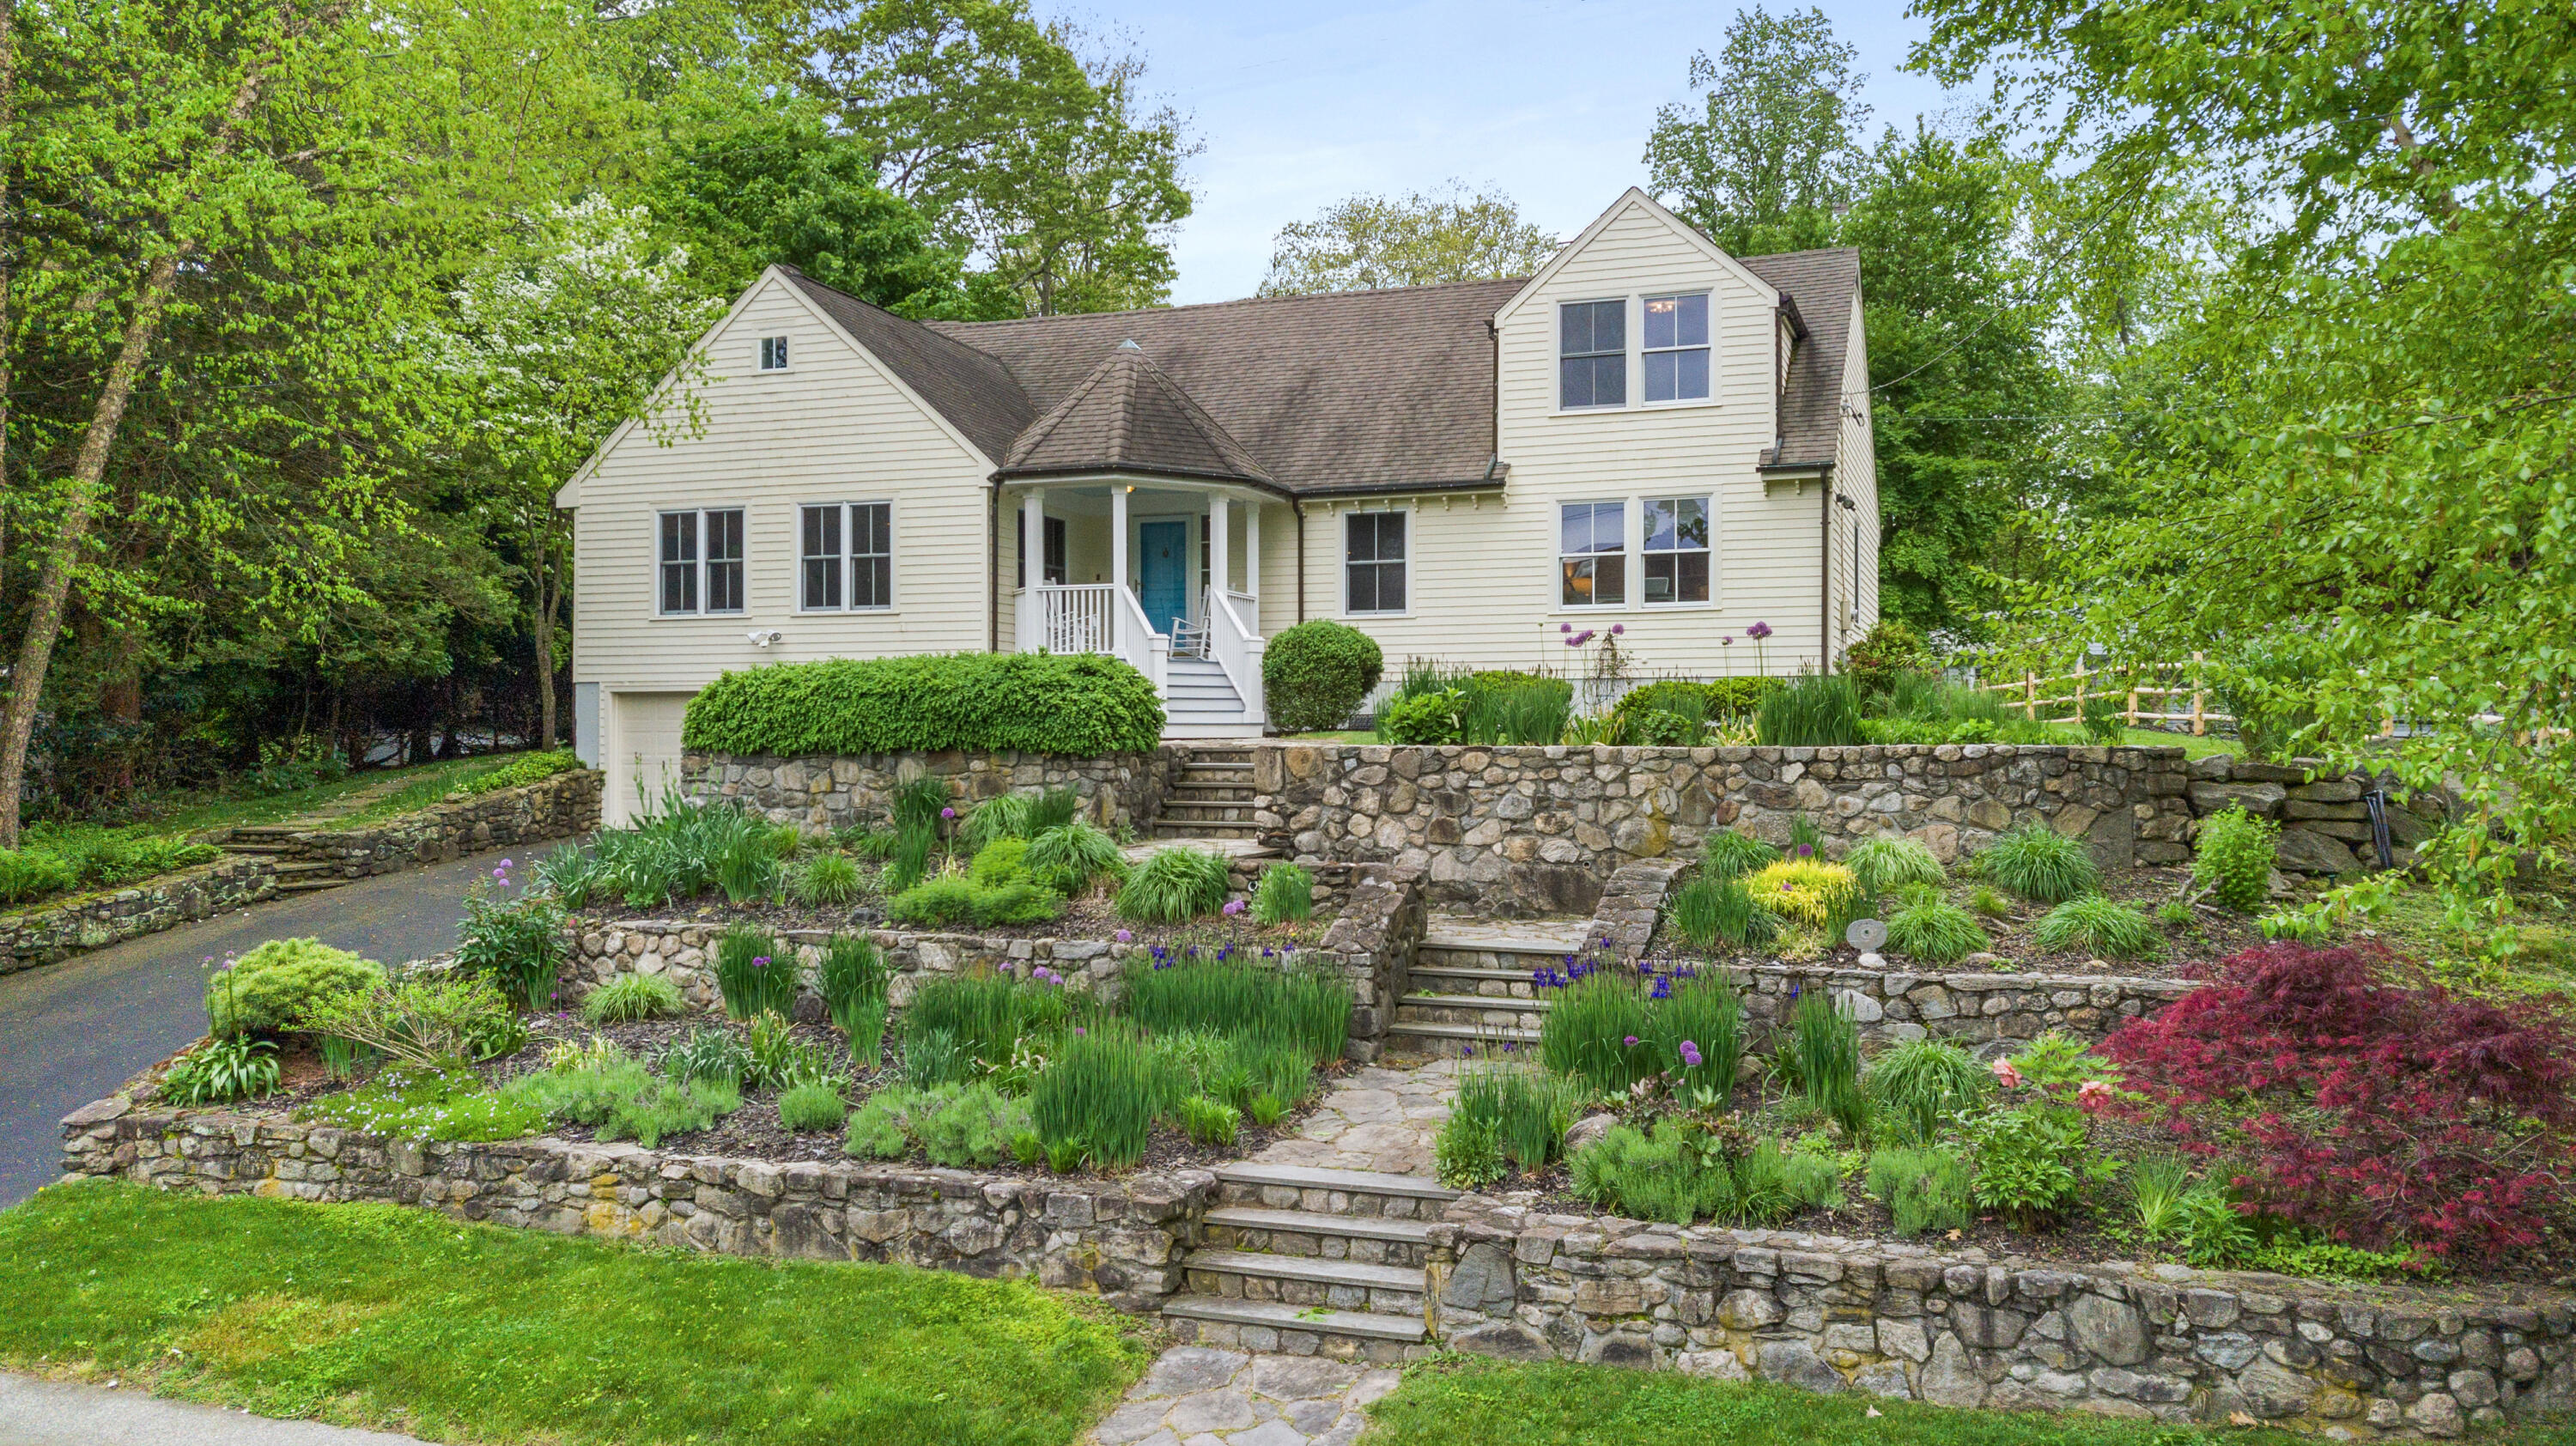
1134	639
1236	648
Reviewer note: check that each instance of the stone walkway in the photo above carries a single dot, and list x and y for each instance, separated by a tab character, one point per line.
1374	1118
1194	1396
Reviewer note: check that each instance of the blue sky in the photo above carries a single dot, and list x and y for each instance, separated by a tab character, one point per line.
1303	103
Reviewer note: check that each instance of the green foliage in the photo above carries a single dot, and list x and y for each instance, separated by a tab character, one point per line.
632	997
1727	854
1367	242
853	978
1422	718
999	862
2097	925
1467	1154
1679	1175
1524	1112
708	1054
1003	816
982	1020
952	899
1918	1087
1890	647
521	771
1822	1056
2215	1234
28	874
1816	710
1934	930
2040	864
827	880
1984	900
2234	858
624	1101
1070	856
1890	862
780	1060
1694	705
887	1124
2031	1161
680	850
1585	1033
269	989
2157	1184
1762	159
1173	885
1286	894
1925	1187
518	943
1080	705
1210	1122
56	859
2174	913
1101	1093
973	1128
810	1107
755	972
220	1070
428	1022
1307	1008
1315	674
409	1103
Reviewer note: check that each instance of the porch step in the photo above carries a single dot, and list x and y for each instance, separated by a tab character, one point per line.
306	866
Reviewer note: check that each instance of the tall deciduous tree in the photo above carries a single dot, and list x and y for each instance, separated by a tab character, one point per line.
1422	239
1775	145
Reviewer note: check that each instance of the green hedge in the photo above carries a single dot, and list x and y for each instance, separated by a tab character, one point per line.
1079	705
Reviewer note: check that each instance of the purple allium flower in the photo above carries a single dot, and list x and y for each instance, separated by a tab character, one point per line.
1565	627
1079	1031
502	874
1690	1054
1726	640
1805	851
1632	1041
1233	907
509	863
759	961
1126	936
1618	628
948	813
1758	631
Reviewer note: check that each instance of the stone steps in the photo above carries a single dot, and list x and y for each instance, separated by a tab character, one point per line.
311	886
1366	1239
1471	1009
1305	1281
1255	1325
1453	1041
1170	830
1312	1262
1332	1192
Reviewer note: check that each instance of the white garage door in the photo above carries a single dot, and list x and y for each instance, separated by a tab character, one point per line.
648	752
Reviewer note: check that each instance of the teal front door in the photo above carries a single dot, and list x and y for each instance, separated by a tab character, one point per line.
1163	580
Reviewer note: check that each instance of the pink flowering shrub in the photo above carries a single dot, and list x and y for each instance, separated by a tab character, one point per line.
2365	1101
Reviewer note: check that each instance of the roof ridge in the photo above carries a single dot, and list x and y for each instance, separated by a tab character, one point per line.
1230	301
1044	427
1225	444
1126	359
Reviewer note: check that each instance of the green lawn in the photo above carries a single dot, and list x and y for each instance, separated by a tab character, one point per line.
1462	1402
405	789
404	1319
2191	747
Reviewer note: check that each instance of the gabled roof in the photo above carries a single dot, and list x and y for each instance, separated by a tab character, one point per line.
1823	284
1126	416
973	391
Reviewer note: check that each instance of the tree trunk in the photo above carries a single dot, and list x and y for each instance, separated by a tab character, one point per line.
89	472
8	273
547	595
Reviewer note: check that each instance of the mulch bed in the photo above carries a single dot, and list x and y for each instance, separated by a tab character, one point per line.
1092	916
2213	934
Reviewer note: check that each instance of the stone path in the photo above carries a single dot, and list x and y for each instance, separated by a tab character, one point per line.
1194	1396
1376	1119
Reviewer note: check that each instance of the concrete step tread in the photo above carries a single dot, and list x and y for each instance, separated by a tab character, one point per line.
1470	971
307	886
1356	1182
1308	1222
1478	1032
1307	1268
1222	847
1476	1001
1507	936
1296	1318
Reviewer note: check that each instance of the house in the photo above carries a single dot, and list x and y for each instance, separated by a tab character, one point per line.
1648	432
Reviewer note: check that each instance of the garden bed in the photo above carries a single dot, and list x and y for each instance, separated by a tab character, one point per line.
1093	917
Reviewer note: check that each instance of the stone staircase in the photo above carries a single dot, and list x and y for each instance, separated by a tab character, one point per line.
1212	797
1310	1261
272	840
1471	984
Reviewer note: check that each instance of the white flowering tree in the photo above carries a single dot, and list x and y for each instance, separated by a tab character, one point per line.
584	324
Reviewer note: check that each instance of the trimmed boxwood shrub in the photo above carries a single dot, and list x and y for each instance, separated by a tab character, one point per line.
1316	673
1078	705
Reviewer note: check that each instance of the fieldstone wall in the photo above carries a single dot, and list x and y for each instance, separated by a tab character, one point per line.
1959	1329
52	932
1540	830
832	792
1122	1239
1370	943
2325	825
563	806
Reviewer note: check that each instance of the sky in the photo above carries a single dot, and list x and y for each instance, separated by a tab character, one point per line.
1301	104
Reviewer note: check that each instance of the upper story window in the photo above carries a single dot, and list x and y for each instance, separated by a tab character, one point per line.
1592	354
701	561
1676	348
848	556
773	353
1373	562
1676	550
1592	554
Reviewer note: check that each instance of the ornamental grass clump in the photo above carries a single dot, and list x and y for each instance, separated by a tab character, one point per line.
1821	1056
853	979
1526	1112
1173	885
2093	924
826	880
984	1018
1926	1188
2234	858
1286	894
1597	1031
1728	854
1806	891
1100	1097
1890	863
708	1053
1919	1087
630	998
811	1107
1070	857
1711	911
1002	816
755	973
1681	1175
1697	1026
1934	930
2040	864
1816	710
1237	996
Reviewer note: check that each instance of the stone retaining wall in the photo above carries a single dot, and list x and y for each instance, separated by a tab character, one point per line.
1958	1329
825	793
563	806
1370	943
1540	830
2325	825
1122	1238
52	932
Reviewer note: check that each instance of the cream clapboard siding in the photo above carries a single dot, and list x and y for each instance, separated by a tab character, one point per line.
1856	475
1484	569
833	428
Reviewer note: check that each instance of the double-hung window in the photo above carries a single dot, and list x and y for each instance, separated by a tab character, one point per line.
1592	354
1676	550
1592	554
847	555
702	561
1676	348
1373	562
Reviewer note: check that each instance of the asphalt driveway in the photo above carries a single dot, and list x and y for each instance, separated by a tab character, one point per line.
72	1032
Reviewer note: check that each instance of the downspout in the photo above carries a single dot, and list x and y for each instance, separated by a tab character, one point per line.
1825	619
1299	509
993	571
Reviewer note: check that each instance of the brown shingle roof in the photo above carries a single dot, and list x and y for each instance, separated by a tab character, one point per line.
1129	417
973	391
1823	283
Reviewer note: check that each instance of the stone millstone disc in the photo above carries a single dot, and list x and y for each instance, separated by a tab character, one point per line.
1865	934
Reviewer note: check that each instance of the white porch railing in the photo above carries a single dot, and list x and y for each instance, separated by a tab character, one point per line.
1077	618
1236	647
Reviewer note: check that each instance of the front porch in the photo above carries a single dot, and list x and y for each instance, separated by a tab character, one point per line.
1164	574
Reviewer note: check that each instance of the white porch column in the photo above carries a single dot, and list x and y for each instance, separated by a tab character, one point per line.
1118	624
1220	523
1033	568
1252	562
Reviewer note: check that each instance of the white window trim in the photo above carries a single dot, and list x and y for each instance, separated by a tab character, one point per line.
702	563
1556	356
793	351
1706	499
1342	562
1676	402
849	559
1636	355
1629	521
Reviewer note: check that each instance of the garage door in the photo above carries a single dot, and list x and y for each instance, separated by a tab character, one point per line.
648	752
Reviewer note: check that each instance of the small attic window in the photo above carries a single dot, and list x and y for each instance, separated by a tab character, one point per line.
773	353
